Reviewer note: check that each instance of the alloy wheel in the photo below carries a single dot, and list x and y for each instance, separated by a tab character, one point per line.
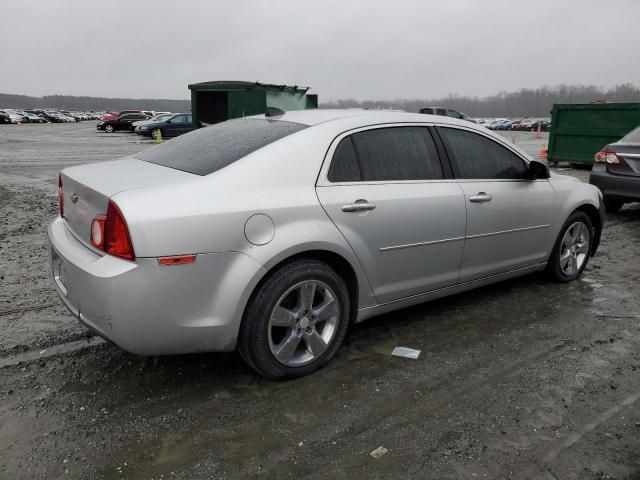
303	323
574	248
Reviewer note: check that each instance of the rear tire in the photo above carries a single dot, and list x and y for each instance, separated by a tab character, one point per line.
295	321
572	249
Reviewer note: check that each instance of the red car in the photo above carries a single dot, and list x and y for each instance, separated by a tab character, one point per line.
112	115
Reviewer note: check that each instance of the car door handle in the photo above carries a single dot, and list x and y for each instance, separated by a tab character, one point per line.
481	197
358	206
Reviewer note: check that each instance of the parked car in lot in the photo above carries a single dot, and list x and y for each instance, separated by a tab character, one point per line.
493	123
446	112
616	171
543	124
171	126
156	118
522	125
14	117
33	118
4	117
105	117
506	125
273	234
123	122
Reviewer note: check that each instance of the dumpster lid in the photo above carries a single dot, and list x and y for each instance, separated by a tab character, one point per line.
243	85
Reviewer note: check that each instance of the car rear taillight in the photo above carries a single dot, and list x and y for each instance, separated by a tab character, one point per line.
60	196
110	233
607	157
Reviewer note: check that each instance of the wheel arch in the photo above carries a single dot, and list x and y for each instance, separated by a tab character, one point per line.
594	215
336	261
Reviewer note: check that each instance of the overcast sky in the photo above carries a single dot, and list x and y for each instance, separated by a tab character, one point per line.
342	49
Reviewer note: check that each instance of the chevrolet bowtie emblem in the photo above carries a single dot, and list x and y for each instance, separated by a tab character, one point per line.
74	198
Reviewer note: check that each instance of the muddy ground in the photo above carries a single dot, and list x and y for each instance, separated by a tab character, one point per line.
523	379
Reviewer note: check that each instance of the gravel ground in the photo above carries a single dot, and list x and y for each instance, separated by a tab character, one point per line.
523	379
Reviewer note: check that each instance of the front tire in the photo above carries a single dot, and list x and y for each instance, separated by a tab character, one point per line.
155	133
572	249
109	129
295	321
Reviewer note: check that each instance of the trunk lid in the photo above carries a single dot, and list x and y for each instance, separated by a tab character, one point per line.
629	155
86	189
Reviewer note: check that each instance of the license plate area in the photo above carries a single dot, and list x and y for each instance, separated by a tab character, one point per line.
58	266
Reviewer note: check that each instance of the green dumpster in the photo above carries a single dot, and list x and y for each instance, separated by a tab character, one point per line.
578	131
217	101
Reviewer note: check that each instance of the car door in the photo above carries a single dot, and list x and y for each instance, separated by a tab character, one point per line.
387	192
508	215
187	124
175	125
124	121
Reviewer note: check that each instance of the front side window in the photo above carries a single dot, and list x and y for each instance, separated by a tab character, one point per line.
386	154
474	156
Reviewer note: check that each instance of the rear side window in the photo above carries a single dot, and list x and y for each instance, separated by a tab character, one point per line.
386	154
210	149
632	137
478	157
345	166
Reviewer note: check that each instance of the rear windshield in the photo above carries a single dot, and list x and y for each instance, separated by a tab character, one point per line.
210	149
632	137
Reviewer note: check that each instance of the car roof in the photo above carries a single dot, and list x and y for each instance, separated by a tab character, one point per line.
359	117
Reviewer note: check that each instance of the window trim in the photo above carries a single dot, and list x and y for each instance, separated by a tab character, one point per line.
500	141
323	177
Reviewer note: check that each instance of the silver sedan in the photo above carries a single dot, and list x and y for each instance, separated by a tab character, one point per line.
271	234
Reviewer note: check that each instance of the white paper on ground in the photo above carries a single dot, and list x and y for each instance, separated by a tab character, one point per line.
406	352
378	452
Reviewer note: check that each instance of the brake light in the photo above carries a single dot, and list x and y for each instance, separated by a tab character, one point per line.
607	157
116	235
60	196
109	233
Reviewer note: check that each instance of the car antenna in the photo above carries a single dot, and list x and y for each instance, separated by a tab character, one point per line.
273	112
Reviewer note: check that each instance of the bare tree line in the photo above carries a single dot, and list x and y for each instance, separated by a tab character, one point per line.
525	102
69	102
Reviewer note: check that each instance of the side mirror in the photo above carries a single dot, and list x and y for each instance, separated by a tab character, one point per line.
538	170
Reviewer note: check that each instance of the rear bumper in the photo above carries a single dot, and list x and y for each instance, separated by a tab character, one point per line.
615	186
149	309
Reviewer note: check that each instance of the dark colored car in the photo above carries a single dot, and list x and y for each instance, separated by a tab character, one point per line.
544	126
171	127
4	117
123	122
446	112
616	171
